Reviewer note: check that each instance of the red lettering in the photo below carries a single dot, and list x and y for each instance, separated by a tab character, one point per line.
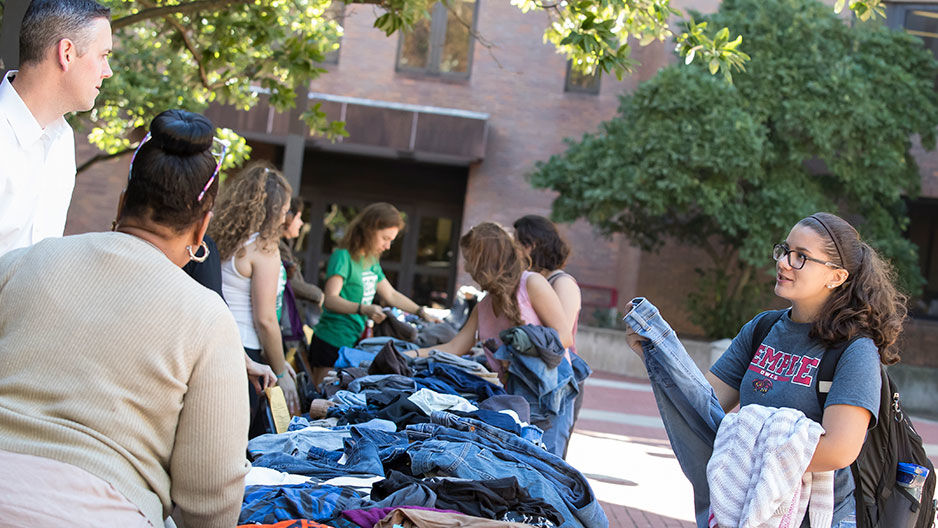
771	359
786	363
795	361
758	355
804	376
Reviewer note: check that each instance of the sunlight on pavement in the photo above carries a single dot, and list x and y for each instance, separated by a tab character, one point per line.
633	472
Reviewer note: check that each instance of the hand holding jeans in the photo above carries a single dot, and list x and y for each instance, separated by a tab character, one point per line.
632	338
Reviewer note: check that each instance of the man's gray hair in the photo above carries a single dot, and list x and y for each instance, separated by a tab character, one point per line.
48	21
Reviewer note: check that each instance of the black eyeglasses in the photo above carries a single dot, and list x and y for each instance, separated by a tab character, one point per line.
219	150
796	259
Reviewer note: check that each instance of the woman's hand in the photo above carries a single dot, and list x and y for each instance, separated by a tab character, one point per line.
420	352
260	375
632	338
422	312
288	384
373	312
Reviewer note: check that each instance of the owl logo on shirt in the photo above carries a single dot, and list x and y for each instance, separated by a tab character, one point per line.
762	385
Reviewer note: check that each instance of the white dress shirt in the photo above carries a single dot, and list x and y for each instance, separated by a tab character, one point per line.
37	173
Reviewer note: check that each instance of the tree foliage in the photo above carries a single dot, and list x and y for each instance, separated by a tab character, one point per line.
821	119
191	53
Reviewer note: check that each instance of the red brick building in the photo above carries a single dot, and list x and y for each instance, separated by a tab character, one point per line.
446	126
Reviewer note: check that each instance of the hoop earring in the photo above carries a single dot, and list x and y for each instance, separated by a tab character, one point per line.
204	254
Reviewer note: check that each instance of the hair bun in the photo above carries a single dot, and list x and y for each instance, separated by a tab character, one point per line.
181	132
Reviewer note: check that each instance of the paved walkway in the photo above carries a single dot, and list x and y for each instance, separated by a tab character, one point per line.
622	448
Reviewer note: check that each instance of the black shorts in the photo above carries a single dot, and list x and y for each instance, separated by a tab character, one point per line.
322	354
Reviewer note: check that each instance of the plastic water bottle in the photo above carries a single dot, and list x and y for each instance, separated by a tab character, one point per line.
912	478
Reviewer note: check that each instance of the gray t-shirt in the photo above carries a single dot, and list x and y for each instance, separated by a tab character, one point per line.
783	373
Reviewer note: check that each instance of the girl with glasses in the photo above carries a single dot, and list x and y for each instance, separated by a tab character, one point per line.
120	396
841	293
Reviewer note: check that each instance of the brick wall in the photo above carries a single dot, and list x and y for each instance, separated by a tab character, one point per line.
97	190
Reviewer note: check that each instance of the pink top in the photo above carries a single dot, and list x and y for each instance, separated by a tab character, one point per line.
490	326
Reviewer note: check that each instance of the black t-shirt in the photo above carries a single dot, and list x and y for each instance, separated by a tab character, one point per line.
207	273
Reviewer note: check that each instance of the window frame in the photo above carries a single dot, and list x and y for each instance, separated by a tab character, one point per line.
438	22
333	56
594	89
896	13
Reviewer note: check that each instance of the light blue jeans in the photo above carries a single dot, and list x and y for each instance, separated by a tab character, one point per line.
688	406
689	409
849	522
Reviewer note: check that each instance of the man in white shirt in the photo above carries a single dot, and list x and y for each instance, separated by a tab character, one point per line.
64	48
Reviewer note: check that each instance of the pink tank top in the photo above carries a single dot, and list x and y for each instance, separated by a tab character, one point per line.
490	326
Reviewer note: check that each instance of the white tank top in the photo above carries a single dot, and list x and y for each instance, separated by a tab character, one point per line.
237	290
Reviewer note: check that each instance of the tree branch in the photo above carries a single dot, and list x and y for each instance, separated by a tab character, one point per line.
162	11
184	33
99	157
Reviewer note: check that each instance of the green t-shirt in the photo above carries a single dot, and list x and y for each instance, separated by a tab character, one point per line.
358	286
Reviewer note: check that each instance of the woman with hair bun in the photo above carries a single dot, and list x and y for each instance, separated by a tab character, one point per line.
121	378
250	214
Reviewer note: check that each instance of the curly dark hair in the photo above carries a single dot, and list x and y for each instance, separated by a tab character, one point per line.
547	250
867	303
362	228
170	170
496	262
250	203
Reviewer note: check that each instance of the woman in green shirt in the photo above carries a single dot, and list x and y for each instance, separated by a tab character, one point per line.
353	277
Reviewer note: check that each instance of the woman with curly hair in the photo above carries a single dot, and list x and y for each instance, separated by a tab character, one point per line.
353	277
842	295
514	296
249	218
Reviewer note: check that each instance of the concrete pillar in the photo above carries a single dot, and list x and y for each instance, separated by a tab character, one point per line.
13	11
295	146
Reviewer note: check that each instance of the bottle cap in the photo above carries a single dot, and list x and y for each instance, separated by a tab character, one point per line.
911	474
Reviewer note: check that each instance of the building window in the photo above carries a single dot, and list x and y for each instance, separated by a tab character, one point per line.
920	20
335	13
923	232
442	44
579	82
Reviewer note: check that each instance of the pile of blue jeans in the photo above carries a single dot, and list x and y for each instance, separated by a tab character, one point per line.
377	434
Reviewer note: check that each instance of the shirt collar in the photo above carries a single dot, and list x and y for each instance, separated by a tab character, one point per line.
23	122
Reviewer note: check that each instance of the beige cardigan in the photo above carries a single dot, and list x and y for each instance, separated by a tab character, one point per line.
114	360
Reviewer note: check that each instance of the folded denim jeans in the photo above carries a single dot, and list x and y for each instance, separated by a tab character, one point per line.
360	457
569	483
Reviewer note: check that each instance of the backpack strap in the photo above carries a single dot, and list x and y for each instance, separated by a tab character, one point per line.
825	370
764	322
